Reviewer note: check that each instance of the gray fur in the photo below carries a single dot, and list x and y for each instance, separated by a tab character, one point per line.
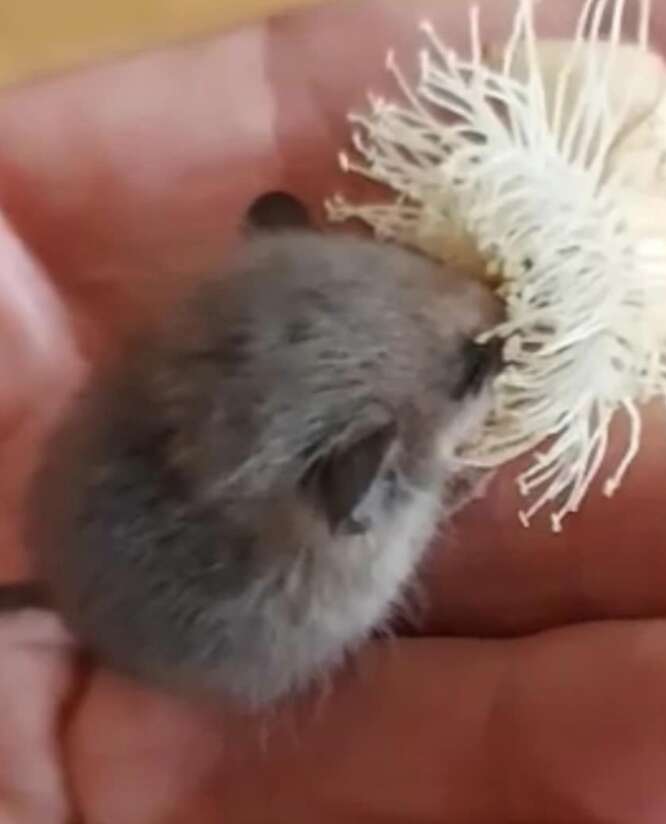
173	518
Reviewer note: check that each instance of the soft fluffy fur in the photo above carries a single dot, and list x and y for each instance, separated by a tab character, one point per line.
183	515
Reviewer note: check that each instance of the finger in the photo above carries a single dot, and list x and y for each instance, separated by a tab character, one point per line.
140	174
564	726
36	679
39	369
490	575
125	177
480	731
314	100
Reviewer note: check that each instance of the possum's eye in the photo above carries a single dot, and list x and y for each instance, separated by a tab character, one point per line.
340	481
480	362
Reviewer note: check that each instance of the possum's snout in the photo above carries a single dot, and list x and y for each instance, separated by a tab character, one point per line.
481	363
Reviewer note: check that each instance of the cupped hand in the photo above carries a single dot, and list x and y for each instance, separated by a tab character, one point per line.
535	689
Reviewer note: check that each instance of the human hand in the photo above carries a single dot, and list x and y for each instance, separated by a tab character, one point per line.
533	691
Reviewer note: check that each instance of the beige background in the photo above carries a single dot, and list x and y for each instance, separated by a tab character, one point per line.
40	36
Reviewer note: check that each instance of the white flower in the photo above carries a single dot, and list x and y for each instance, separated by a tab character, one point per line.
542	167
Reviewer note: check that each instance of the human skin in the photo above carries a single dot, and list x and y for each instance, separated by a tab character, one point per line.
534	689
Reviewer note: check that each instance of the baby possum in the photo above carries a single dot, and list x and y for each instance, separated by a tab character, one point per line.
240	502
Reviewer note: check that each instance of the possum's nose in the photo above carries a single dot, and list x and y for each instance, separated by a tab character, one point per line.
480	363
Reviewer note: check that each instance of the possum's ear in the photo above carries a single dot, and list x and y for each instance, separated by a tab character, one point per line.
342	482
277	210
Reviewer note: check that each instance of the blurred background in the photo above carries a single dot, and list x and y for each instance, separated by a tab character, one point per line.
38	37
